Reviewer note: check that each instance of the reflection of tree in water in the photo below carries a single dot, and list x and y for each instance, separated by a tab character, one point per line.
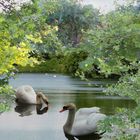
108	105
27	110
92	136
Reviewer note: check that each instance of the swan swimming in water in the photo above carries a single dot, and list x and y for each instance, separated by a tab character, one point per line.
26	94
82	122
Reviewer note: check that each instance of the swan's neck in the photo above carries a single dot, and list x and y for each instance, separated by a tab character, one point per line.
41	98
70	120
38	102
38	99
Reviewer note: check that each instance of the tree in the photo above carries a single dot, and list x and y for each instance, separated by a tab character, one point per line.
21	31
114	46
72	18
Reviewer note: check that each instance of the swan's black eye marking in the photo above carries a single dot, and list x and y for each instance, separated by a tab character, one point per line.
65	107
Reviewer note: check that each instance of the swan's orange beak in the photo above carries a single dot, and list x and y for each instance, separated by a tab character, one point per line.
61	110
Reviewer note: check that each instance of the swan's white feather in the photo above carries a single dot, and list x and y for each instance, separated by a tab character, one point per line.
85	112
26	94
86	120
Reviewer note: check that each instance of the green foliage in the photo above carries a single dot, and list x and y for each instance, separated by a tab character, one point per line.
67	63
71	18
51	65
4	107
6	89
24	33
109	44
6	93
128	86
114	46
72	59
43	37
125	123
14	46
50	43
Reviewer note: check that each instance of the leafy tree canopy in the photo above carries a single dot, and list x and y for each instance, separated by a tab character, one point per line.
114	46
21	30
72	18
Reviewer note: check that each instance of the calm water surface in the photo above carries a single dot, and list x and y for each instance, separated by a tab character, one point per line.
27	123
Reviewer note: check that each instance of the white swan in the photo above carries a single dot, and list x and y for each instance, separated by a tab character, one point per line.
26	94
82	122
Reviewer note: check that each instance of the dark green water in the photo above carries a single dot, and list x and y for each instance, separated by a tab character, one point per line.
23	122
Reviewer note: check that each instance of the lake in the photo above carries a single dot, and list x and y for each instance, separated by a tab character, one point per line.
26	123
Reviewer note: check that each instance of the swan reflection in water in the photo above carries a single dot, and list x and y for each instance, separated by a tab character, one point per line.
27	109
93	136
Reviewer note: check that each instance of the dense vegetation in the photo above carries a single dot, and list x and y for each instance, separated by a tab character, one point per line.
66	37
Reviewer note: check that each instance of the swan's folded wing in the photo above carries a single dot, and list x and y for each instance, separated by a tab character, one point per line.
88	110
94	118
85	112
80	128
87	125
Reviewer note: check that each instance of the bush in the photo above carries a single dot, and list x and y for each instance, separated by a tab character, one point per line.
59	64
124	125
